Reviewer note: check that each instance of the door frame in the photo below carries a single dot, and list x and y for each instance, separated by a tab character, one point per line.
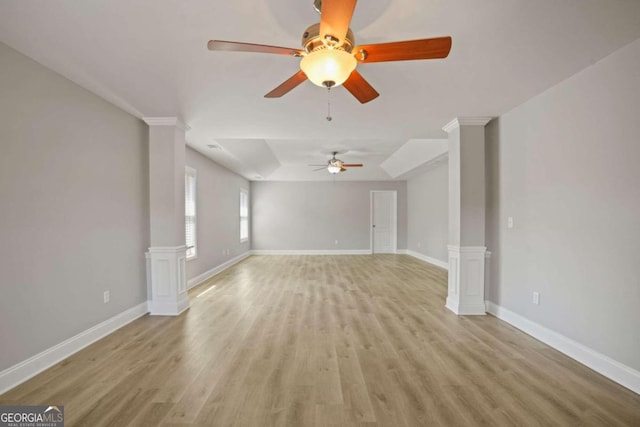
394	221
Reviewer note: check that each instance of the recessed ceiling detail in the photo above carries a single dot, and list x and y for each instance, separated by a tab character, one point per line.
255	154
413	154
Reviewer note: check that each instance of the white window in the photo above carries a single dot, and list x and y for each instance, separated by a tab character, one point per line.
190	212
244	215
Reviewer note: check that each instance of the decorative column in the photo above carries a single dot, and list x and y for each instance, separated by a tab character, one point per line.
466	215
167	255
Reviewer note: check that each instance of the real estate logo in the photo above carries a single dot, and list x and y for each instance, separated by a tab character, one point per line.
32	416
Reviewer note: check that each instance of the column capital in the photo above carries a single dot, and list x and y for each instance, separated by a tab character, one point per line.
166	121
466	121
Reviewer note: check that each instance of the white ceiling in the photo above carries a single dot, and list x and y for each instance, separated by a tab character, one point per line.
149	57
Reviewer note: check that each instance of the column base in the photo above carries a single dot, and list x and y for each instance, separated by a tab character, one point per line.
466	309
165	308
466	280
167	275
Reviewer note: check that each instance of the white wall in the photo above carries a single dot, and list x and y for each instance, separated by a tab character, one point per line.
312	215
218	214
74	215
427	212
565	166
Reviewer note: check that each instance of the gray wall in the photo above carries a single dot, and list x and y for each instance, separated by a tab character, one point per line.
218	214
565	166
74	208
312	215
427	212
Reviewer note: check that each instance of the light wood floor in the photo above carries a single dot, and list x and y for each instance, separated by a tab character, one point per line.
323	341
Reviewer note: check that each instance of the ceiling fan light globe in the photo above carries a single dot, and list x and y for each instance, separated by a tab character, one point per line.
328	65
334	169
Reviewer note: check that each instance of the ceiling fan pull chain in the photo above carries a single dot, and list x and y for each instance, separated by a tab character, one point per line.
329	118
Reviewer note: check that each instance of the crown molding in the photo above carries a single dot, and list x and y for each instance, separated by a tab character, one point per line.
466	121
166	121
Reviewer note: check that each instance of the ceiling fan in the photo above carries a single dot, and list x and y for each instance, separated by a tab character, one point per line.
330	56
335	166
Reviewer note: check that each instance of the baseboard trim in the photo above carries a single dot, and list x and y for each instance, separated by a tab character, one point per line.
610	368
428	259
311	252
195	281
21	372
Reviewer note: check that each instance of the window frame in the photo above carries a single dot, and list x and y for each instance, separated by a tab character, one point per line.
191	172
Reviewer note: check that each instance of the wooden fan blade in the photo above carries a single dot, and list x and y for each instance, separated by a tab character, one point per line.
360	88
319	169
288	85
335	18
352	165
222	45
404	51
343	170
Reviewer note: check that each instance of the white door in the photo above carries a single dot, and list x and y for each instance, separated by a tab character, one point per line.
383	222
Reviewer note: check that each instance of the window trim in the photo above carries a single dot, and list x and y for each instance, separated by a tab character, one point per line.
246	193
189	171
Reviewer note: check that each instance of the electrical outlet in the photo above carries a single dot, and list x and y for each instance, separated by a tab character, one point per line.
536	298
335	242
107	296
510	222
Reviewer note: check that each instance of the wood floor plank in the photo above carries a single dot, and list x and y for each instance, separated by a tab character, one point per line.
325	341
354	389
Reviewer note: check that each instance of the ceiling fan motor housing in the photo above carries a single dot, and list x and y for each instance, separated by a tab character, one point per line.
312	41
